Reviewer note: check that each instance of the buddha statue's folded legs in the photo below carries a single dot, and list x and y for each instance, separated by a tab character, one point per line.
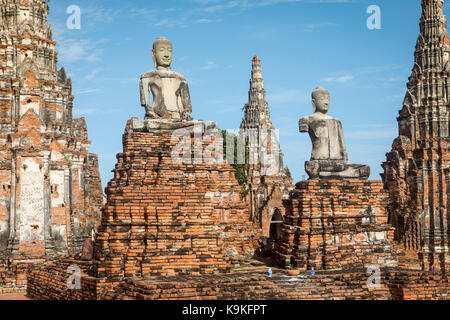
329	169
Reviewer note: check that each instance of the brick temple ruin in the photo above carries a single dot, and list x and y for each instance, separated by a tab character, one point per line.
268	181
173	225
417	170
50	188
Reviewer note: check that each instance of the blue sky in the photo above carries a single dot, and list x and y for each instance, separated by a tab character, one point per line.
302	44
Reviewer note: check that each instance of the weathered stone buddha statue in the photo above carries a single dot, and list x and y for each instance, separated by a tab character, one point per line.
171	99
171	107
329	159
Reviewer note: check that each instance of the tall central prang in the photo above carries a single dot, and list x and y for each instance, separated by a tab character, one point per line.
417	170
50	190
268	181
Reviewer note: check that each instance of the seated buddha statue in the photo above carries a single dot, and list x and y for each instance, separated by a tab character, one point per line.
329	158
171	107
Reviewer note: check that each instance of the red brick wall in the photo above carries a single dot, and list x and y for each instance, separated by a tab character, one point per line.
166	218
336	224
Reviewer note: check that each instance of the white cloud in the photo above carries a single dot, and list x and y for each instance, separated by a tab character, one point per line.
259	3
145	13
99	14
373	132
86	91
221	7
341	79
209	66
83	112
201	21
93	74
315	26
290	95
74	50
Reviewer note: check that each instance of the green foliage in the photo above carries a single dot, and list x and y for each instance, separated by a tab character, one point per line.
245	107
241	169
69	163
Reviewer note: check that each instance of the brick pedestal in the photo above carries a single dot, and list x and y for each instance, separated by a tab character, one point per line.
336	224
169	218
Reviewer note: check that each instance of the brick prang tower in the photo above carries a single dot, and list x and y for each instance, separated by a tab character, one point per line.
50	189
268	180
417	170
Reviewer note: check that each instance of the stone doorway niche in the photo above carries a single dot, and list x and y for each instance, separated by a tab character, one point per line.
275	225
275	228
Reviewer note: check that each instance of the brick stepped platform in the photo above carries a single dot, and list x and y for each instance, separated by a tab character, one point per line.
336	224
252	284
13	273
49	282
168	217
418	285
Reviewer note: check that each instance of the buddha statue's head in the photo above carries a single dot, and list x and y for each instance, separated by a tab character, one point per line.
321	100
162	54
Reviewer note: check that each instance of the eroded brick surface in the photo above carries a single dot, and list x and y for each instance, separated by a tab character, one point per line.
50	283
50	190
167	218
160	214
417	170
336	224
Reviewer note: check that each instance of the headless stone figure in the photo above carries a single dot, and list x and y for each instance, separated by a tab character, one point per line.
329	159
171	99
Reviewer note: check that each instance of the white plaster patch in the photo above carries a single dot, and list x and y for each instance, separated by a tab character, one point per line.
23	15
59	115
380	235
3	226
25	106
56	156
31	206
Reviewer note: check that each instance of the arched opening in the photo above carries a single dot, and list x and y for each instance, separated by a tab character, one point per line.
275	225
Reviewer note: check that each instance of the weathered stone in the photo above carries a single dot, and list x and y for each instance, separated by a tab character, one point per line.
171	98
149	125
417	170
329	159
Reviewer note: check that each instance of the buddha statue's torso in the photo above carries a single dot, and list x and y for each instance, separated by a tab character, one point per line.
170	93
326	137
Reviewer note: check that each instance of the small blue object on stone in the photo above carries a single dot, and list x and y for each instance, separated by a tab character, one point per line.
270	273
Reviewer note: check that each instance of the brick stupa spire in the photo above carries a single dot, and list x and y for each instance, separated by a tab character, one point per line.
50	189
417	168
258	111
268	180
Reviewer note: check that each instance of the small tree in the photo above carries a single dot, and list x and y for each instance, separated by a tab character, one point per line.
241	168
